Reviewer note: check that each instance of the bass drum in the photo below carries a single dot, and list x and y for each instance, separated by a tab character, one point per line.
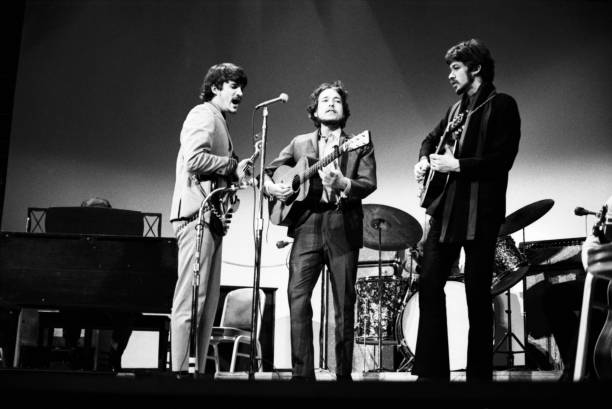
407	325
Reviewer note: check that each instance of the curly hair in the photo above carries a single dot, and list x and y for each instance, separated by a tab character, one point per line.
473	53
314	102
219	74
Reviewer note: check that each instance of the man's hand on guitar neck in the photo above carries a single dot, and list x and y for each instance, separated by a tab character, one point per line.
445	163
244	170
334	179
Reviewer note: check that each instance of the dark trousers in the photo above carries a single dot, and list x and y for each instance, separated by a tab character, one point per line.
431	355
312	249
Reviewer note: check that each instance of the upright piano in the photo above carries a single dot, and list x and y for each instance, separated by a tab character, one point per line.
107	272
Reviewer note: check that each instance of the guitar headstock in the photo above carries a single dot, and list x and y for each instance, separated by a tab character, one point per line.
357	141
599	228
456	122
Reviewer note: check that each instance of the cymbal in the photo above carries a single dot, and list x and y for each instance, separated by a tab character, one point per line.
506	280
525	216
398	230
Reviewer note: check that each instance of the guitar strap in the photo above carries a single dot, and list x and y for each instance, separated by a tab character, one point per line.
448	204
475	185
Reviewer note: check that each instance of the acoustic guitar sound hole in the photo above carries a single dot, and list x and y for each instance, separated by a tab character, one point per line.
295	184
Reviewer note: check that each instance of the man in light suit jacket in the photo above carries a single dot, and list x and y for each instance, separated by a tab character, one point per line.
328	230
205	161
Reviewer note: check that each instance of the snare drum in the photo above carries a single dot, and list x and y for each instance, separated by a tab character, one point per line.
368	317
407	325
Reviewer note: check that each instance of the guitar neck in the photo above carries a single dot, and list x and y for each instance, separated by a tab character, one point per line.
312	170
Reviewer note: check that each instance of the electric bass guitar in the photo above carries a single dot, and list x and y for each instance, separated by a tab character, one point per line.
299	178
220	195
434	182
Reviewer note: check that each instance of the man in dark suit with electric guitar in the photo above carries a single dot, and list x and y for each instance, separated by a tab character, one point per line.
471	151
315	187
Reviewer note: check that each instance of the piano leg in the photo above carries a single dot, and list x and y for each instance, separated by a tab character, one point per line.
17	353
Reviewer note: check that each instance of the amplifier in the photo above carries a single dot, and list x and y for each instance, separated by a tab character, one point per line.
553	255
551	262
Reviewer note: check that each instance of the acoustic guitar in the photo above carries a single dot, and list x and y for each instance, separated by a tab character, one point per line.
434	182
299	178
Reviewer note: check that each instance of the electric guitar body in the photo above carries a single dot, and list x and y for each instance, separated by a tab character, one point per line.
434	182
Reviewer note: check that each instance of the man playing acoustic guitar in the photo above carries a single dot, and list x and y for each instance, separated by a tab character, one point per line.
467	211
326	220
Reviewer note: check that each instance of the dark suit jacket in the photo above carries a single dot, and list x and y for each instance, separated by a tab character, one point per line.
358	165
486	156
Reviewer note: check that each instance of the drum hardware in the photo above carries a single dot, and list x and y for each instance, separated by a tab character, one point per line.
401	231
396	263
513	267
509	335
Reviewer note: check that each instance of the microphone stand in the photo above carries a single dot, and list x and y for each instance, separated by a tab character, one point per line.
323	332
258	238
195	284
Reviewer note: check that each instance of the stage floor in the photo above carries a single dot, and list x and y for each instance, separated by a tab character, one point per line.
456	376
510	389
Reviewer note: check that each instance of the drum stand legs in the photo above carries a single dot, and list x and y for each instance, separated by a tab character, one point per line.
508	336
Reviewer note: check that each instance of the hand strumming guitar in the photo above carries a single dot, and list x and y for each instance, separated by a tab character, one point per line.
281	191
444	163
420	168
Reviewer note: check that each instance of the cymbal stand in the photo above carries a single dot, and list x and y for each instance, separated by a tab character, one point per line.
377	224
524	306
509	335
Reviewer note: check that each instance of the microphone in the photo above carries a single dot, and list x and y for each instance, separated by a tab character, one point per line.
581	211
281	98
282	243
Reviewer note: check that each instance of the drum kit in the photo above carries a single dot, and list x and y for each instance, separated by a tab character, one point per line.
388	306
